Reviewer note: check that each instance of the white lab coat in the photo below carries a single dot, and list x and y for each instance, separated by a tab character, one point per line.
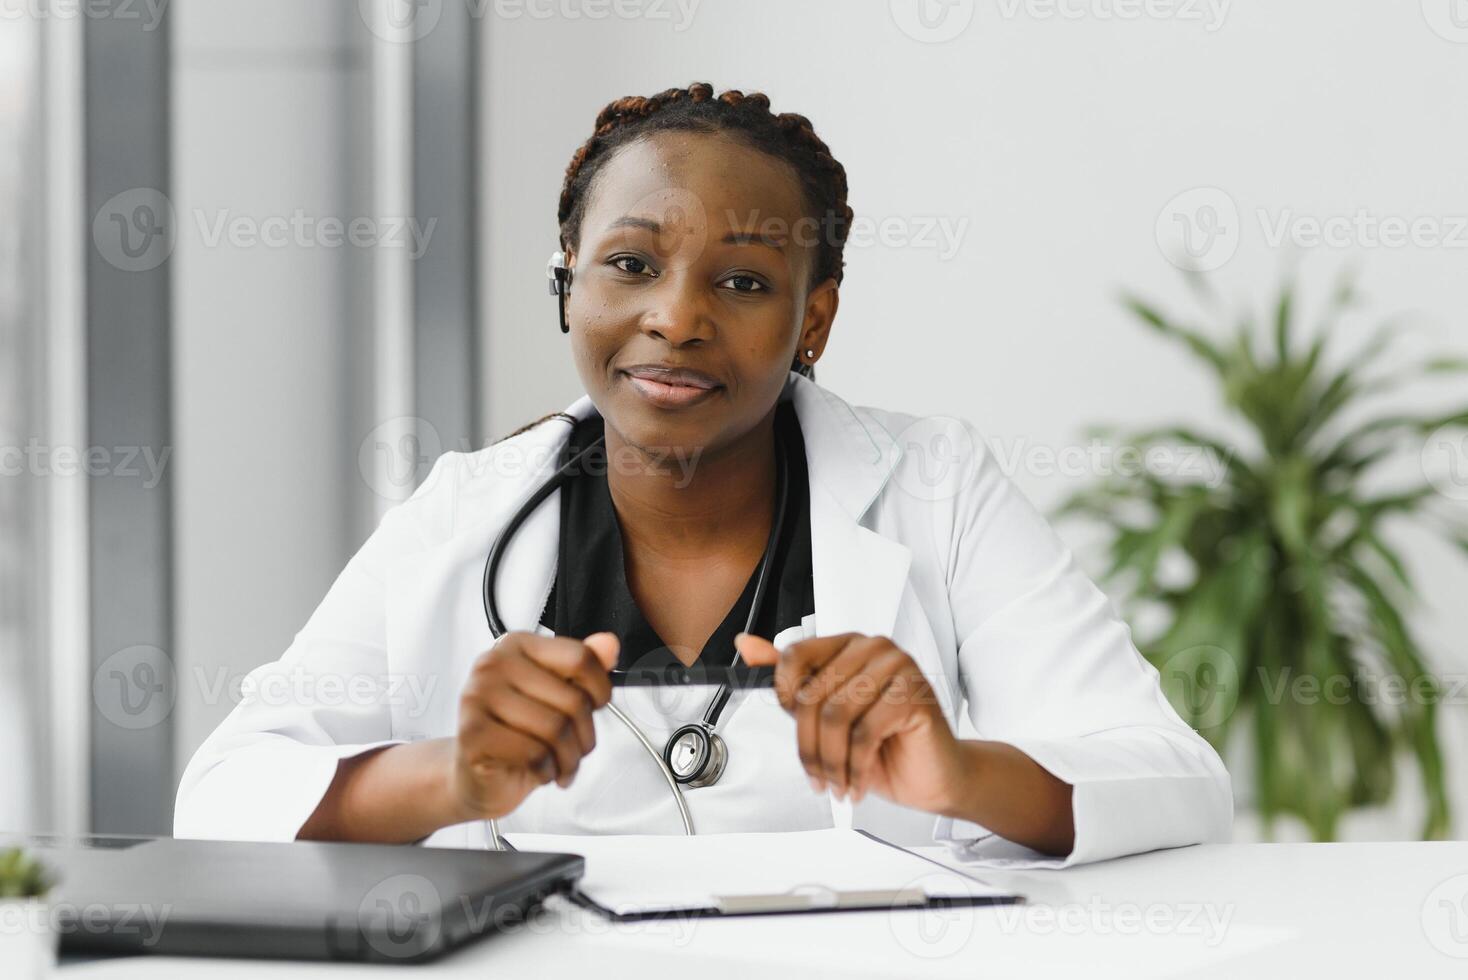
916	534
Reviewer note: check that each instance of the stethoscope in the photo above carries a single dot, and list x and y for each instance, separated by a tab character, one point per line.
695	754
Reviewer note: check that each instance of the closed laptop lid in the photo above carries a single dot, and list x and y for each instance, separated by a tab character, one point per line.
305	899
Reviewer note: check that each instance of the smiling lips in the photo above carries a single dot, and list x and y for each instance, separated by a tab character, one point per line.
670	387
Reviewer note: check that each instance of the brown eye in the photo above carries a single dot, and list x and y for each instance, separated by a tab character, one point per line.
630	264
746	284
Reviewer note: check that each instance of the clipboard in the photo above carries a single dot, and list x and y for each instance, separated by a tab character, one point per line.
809	898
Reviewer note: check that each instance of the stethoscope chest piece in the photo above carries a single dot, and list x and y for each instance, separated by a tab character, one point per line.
696	755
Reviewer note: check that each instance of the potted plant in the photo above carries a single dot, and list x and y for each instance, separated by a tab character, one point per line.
27	940
1283	612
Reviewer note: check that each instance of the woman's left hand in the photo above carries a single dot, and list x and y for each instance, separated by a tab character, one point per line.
866	718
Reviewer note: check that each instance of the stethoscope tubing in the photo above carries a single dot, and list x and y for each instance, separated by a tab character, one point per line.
721	697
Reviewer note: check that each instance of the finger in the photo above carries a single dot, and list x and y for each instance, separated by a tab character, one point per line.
513	708
756	650
561	695
801	660
814	695
606	646
801	694
887	717
486	739
844	706
577	662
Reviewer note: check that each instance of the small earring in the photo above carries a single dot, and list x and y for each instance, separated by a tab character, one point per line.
810	353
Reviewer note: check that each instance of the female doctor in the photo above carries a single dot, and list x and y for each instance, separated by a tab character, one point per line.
906	580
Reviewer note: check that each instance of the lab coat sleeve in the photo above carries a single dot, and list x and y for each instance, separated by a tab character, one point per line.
1047	664
260	775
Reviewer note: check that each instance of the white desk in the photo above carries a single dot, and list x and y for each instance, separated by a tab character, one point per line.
1257	910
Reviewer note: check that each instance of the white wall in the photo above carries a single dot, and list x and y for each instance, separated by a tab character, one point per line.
1059	142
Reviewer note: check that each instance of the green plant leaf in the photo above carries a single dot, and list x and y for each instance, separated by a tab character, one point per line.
23	876
1194	341
1282	324
1389	557
1290	569
1389	429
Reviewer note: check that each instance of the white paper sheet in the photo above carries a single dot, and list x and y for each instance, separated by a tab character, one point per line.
644	873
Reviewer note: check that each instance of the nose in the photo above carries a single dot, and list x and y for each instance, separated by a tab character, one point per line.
677	312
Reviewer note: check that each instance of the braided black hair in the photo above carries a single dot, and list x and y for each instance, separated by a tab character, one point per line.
787	136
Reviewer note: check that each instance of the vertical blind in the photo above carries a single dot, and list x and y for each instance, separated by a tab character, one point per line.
22	460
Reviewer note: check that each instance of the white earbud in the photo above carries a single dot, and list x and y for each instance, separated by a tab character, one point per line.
557	273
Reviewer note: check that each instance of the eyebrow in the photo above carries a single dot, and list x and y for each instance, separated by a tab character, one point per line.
776	241
646	224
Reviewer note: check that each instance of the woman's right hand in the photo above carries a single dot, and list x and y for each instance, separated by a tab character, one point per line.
525	717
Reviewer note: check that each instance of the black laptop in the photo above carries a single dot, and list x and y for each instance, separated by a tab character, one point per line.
302	900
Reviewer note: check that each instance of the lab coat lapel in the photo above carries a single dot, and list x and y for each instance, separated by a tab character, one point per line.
859	575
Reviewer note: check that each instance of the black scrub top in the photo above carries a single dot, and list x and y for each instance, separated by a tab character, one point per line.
591	594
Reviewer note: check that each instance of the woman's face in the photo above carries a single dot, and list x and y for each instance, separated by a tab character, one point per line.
695	253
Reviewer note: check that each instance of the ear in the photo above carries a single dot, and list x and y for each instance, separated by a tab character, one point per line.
820	312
